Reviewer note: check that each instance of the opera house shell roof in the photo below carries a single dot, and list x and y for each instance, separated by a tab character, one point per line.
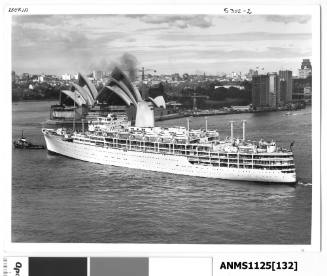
82	93
119	85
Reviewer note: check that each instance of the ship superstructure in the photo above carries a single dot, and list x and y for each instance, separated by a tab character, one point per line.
200	152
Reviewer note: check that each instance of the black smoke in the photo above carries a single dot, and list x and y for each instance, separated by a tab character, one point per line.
127	63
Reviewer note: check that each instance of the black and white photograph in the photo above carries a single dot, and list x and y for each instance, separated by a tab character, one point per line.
163	128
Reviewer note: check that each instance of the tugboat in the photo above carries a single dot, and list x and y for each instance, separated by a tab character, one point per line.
22	143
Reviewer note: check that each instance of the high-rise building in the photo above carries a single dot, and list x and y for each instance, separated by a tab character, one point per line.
286	92
274	89
307	94
251	73
306	69
282	87
299	88
260	91
306	64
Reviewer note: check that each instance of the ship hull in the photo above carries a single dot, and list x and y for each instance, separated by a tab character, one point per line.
159	162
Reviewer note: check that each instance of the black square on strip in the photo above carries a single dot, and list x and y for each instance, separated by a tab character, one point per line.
50	266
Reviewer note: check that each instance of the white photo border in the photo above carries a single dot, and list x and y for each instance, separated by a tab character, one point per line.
82	249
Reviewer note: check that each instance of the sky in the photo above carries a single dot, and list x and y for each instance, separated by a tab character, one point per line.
211	44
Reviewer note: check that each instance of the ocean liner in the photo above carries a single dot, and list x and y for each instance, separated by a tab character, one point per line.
112	140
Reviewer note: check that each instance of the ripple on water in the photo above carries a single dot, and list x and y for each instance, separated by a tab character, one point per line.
57	199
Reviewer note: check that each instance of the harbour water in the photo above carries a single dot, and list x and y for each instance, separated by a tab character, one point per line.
58	199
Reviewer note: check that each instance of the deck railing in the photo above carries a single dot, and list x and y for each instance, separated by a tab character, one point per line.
196	154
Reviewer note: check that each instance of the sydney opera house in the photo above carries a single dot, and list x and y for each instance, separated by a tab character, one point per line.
118	95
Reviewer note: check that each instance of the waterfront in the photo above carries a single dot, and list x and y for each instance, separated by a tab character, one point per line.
57	199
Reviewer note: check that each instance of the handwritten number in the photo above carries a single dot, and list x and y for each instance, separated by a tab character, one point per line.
237	11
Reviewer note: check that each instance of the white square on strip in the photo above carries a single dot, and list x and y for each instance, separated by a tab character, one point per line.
180	266
15	266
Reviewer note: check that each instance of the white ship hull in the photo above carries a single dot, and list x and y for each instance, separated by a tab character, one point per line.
160	162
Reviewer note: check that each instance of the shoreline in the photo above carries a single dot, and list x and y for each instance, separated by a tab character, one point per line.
29	101
216	112
167	117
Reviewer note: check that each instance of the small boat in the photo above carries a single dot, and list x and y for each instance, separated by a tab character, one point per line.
22	143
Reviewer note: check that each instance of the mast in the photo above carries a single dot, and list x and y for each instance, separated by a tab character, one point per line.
243	125
74	111
206	119
188	124
60	97
232	130
194	102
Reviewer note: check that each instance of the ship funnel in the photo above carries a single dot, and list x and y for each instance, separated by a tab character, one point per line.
243	125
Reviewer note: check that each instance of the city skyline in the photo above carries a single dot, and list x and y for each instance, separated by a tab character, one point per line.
57	44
